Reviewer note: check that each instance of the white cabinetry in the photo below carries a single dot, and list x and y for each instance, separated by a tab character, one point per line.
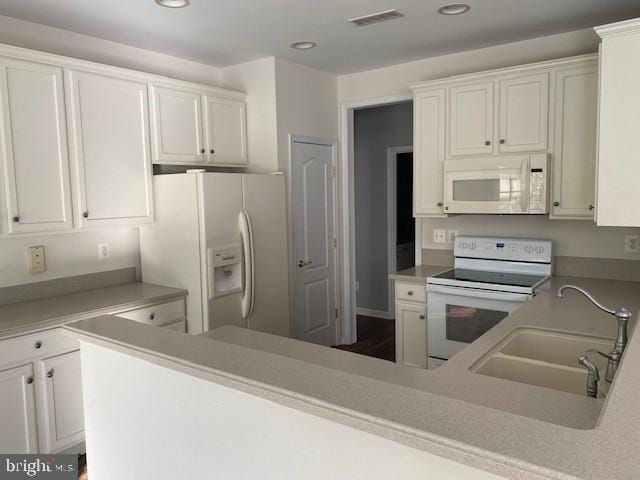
524	113
618	194
194	126
34	142
177	126
18	410
62	412
428	151
574	158
471	119
111	149
225	131
411	325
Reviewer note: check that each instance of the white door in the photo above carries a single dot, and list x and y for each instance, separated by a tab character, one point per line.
575	136
314	302
225	131
62	412
524	113
177	126
428	151
18	410
471	119
111	149
411	331
34	140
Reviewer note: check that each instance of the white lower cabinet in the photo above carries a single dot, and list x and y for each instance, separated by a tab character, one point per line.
62	420
411	327
18	410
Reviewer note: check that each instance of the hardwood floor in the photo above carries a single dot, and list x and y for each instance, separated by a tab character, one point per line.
376	338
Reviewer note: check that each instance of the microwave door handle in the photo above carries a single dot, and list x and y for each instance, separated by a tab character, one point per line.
524	196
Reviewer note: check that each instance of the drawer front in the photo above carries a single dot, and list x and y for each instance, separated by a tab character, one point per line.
159	315
411	292
35	345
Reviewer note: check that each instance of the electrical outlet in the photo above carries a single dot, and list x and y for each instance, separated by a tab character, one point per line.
439	235
104	251
36	259
631	243
452	235
357	286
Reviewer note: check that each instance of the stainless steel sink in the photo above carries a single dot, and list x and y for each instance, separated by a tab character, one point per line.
544	358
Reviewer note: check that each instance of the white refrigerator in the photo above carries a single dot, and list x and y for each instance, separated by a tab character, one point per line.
223	238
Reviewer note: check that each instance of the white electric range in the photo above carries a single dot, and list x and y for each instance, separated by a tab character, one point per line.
491	278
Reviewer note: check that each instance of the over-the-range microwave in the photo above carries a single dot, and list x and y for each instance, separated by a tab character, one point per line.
501	184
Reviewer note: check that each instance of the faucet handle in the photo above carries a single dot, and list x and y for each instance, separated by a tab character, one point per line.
612	364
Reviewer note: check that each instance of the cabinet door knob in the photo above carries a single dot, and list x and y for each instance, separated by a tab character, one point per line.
212	151
502	141
421	317
202	150
410	292
50	373
556	204
30	380
16	219
152	316
591	207
439	204
85	214
487	143
37	345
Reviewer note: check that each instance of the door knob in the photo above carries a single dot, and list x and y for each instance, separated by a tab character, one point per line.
302	264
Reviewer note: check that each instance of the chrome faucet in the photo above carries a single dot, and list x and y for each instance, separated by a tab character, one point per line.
623	315
593	375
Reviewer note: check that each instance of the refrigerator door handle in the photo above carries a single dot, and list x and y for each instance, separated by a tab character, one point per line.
247	247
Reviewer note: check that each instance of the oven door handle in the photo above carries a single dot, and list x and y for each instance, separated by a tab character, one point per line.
485	294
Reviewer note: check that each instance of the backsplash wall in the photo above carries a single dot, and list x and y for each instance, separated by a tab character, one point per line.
68	254
571	238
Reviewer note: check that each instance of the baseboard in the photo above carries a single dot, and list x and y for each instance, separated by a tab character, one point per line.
367	312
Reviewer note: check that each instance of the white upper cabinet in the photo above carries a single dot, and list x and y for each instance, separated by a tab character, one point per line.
225	130
618	195
428	151
574	150
111	149
524	113
471	119
35	146
177	126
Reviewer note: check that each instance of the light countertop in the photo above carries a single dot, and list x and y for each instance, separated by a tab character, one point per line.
25	317
508	428
418	274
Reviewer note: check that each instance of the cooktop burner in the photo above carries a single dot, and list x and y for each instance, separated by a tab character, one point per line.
494	278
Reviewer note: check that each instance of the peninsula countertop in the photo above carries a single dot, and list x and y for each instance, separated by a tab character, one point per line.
25	317
508	428
418	274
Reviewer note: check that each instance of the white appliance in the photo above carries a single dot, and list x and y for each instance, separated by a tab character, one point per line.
491	278
514	184
222	237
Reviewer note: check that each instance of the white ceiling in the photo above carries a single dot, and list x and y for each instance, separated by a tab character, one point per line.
226	32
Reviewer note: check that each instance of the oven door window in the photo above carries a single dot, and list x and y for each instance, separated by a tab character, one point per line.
466	324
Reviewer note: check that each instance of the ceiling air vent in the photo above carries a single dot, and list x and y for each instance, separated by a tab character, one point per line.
376	18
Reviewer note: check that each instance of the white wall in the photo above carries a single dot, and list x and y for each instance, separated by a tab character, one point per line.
68	254
258	79
195	426
396	78
62	42
375	129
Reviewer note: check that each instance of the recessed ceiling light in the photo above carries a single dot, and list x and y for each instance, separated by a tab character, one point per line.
174	3
303	45
454	9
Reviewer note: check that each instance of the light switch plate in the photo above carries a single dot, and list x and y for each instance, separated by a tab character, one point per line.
36	259
631	243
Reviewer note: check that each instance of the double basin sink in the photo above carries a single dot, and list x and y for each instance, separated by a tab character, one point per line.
544	358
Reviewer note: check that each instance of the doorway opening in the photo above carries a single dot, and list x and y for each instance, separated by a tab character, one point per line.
382	231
